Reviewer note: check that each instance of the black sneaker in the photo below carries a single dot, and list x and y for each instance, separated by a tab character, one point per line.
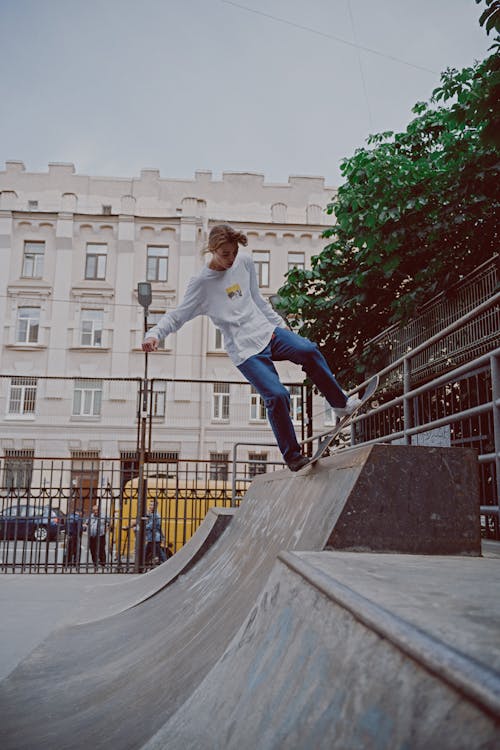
298	463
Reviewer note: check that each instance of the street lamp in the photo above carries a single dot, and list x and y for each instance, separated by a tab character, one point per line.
144	296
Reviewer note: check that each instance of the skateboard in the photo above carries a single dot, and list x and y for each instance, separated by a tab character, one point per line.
326	438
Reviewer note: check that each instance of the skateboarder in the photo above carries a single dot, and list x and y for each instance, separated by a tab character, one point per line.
255	336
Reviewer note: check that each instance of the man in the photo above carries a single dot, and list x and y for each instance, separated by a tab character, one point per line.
96	526
73	539
255	336
154	536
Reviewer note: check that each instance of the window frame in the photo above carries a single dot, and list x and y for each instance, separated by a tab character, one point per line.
221	402
219	466
257	407
158	397
157	276
301	265
36	258
99	272
262	267
257	464
32	323
88	395
27	396
94	330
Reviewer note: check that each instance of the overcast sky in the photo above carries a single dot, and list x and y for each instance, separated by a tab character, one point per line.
273	86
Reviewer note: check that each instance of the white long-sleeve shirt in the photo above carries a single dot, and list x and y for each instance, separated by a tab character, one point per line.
234	304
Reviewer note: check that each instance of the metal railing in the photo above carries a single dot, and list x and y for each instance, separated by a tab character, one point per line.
469	341
458	408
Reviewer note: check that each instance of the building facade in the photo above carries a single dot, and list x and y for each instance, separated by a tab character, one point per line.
73	248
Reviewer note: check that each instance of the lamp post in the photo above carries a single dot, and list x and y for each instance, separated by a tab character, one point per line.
144	296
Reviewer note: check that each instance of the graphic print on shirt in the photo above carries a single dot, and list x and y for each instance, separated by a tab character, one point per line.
234	291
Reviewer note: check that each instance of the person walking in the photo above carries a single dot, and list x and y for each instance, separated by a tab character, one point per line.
255	336
96	526
154	536
73	539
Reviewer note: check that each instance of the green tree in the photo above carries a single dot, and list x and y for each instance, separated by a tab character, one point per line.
417	211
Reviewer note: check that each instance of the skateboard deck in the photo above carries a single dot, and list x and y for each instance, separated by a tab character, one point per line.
326	438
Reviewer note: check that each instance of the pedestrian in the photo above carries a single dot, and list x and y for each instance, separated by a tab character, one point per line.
154	536
255	336
96	526
74	525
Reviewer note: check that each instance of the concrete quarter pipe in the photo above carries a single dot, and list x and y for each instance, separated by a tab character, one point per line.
118	681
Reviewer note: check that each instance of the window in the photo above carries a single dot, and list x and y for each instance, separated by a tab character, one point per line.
18	469
87	398
153	319
261	261
219	463
296	260
157	266
95	262
22	396
296	403
33	260
220	402
91	328
257	407
32	205
28	319
158	397
218	340
106	209
256	464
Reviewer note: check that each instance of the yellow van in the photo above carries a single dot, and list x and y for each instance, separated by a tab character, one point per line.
182	504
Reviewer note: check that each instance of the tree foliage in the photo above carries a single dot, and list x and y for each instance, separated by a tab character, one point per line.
417	211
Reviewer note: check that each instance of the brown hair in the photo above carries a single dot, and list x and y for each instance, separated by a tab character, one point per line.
224	233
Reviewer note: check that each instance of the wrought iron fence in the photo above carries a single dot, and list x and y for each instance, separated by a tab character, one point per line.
60	523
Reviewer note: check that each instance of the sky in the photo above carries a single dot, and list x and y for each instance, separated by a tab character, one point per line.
279	87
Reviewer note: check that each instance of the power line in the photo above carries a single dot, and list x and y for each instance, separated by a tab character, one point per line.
329	36
82	299
360	63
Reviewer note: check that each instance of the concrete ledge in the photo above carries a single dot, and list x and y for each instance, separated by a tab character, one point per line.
317	665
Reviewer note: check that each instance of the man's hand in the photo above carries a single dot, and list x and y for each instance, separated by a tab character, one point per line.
150	345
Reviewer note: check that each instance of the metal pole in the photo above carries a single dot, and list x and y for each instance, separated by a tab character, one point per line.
309	409
407	410
142	488
144	295
495	393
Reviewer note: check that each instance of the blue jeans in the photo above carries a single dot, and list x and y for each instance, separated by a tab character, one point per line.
260	371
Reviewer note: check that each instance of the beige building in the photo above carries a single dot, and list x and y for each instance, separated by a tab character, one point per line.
73	248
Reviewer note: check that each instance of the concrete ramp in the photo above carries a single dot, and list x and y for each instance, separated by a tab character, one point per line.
116	597
318	665
116	681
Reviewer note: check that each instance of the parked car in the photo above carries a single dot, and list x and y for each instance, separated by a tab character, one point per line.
28	522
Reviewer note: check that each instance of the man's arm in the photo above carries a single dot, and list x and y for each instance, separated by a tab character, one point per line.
191	306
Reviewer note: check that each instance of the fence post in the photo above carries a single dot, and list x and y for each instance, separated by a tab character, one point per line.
309	418
407	406
495	394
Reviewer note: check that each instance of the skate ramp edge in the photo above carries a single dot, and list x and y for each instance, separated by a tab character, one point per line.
117	597
318	665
